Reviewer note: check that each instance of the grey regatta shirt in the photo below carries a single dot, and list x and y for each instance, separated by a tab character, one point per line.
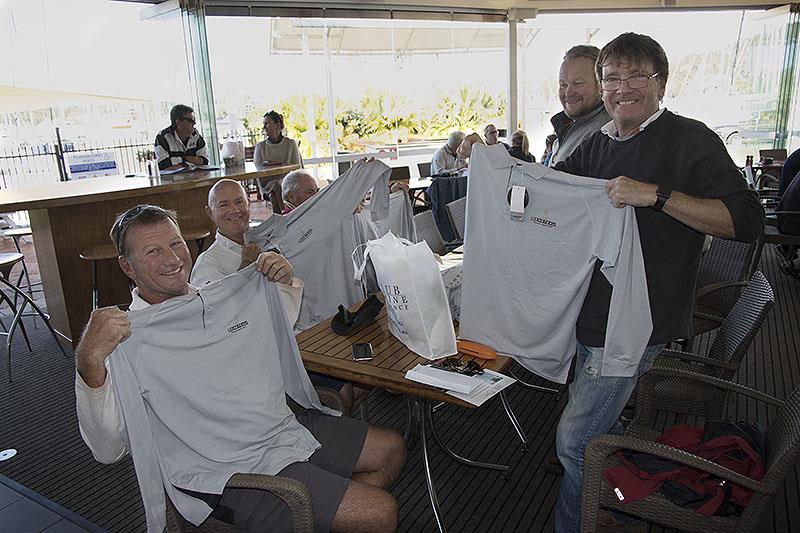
202	383
319	238
524	281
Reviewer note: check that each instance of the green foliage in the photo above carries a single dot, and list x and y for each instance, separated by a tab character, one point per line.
382	117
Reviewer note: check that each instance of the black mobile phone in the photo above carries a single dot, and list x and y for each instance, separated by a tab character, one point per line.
362	351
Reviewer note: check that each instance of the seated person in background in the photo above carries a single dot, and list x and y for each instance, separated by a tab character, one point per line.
548	148
180	143
490	136
790	169
344	463
229	209
445	159
276	148
520	147
297	187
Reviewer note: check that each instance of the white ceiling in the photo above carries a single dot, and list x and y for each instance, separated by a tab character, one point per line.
541	5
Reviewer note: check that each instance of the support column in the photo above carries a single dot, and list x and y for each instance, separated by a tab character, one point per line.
786	91
513	86
193	17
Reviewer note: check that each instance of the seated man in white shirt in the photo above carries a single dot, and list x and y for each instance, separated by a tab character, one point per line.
346	475
229	209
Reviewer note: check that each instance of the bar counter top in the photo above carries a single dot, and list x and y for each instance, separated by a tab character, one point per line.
91	190
70	217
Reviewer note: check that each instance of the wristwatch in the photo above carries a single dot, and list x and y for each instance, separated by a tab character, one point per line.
662	195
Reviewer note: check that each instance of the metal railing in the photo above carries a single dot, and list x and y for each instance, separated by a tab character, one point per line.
46	163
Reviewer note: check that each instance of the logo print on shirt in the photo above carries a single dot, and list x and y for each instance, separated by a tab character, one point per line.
237	327
306	234
543	222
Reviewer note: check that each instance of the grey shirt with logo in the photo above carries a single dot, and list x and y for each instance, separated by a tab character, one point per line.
525	280
319	238
202	384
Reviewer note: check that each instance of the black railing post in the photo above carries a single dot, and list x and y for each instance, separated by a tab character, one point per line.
62	168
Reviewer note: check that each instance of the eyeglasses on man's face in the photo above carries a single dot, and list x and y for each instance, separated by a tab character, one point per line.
188	119
634	82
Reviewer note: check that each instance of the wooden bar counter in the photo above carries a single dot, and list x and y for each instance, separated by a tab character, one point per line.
68	217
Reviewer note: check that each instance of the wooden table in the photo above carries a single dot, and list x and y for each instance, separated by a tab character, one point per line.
68	217
326	353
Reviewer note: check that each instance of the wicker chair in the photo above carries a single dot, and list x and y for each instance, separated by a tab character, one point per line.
724	269
428	231
291	491
457	211
731	342
783	449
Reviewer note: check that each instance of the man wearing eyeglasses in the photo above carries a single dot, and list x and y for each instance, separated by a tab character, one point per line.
180	143
682	182
490	136
579	92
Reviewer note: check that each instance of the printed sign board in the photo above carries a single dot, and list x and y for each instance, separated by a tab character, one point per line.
91	164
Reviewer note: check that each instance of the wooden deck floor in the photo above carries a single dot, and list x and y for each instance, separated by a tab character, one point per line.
38	419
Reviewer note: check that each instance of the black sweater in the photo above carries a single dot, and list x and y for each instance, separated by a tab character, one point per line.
687	157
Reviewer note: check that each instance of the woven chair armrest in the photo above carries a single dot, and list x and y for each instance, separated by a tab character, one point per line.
783	213
686	356
605	445
291	491
656	373
708	316
772	219
330	398
714	287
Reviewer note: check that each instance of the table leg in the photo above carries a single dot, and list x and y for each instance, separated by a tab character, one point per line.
514	422
538	388
423	407
428	413
412	422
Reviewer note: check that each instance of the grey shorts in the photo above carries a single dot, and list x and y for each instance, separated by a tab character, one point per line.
326	475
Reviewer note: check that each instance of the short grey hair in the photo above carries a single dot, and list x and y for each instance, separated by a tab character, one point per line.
486	128
292	180
455	139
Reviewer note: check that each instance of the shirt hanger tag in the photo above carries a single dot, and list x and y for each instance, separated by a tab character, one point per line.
517	201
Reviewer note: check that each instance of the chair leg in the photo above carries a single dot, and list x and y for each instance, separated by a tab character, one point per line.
18	320
24	266
13	306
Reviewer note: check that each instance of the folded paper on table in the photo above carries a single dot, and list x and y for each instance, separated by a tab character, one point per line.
489	384
452	381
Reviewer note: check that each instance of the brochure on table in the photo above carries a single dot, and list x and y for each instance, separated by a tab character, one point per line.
472	389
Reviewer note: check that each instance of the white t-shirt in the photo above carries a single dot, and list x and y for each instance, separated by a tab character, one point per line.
525	281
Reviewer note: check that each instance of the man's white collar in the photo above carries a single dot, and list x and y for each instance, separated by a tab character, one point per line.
138	303
610	129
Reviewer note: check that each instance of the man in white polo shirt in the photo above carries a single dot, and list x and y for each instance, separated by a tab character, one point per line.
229	209
349	463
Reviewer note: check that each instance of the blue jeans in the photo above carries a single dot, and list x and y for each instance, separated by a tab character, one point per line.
594	406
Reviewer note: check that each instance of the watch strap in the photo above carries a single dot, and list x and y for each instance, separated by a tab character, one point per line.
662	195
